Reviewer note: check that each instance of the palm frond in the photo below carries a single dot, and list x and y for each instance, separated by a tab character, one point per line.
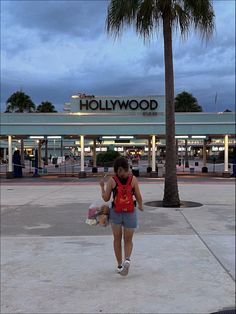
181	19
146	16
121	12
202	17
20	102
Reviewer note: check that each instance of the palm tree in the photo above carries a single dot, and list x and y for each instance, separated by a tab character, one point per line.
147	16
185	102
46	106
20	102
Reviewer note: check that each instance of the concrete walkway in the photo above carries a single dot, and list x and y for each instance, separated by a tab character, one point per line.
52	262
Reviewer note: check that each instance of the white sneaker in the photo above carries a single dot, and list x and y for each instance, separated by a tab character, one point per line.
125	268
119	269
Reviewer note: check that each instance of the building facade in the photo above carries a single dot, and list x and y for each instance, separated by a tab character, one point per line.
130	125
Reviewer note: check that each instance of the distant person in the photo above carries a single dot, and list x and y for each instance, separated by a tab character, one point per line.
123	215
17	164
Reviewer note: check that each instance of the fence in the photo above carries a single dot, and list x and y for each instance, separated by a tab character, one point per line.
68	167
72	168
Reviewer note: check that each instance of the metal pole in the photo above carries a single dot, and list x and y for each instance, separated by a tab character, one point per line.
61	147
94	154
186	154
54	143
82	173
182	153
82	153
22	153
226	153
10	165
149	151
39	154
9	173
204	153
153	153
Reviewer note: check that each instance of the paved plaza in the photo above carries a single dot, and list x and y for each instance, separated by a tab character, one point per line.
52	262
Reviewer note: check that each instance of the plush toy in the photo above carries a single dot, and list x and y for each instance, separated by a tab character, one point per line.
104	216
105	209
98	215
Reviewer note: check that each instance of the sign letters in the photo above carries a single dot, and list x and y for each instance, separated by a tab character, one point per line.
109	105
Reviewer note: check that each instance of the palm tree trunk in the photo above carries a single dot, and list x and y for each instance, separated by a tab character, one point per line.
171	194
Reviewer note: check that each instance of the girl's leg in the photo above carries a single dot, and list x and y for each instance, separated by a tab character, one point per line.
117	233
128	241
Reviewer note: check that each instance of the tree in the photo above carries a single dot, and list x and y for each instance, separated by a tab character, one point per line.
147	17
227	110
185	102
19	102
107	158
46	106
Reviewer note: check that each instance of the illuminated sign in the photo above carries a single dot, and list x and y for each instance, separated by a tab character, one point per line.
117	104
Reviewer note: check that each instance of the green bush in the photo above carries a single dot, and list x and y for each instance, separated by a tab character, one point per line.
231	155
107	158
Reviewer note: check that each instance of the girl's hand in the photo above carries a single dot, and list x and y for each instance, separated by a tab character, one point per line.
102	182
140	207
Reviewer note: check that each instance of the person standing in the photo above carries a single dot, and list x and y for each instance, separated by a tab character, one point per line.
123	214
17	164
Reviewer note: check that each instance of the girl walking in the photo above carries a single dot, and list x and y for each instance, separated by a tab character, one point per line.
123	187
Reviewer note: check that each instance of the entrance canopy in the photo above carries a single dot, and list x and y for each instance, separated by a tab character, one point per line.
92	124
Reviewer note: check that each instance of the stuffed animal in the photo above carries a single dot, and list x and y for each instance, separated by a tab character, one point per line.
98	215
104	217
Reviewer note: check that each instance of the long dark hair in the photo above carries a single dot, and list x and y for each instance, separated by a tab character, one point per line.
121	162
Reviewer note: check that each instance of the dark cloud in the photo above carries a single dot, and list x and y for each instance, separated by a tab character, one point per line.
55	18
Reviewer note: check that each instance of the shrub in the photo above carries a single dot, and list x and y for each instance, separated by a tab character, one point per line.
107	158
231	155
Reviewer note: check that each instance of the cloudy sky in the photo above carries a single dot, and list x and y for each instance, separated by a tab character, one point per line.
54	49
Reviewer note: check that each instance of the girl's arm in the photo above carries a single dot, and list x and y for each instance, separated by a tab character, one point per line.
106	192
137	194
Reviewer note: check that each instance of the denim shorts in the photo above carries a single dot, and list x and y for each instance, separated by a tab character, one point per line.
127	220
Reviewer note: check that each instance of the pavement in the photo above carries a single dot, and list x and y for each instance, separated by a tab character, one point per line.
183	260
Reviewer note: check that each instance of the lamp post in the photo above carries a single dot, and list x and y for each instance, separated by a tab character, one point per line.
186	154
54	143
46	151
204	152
